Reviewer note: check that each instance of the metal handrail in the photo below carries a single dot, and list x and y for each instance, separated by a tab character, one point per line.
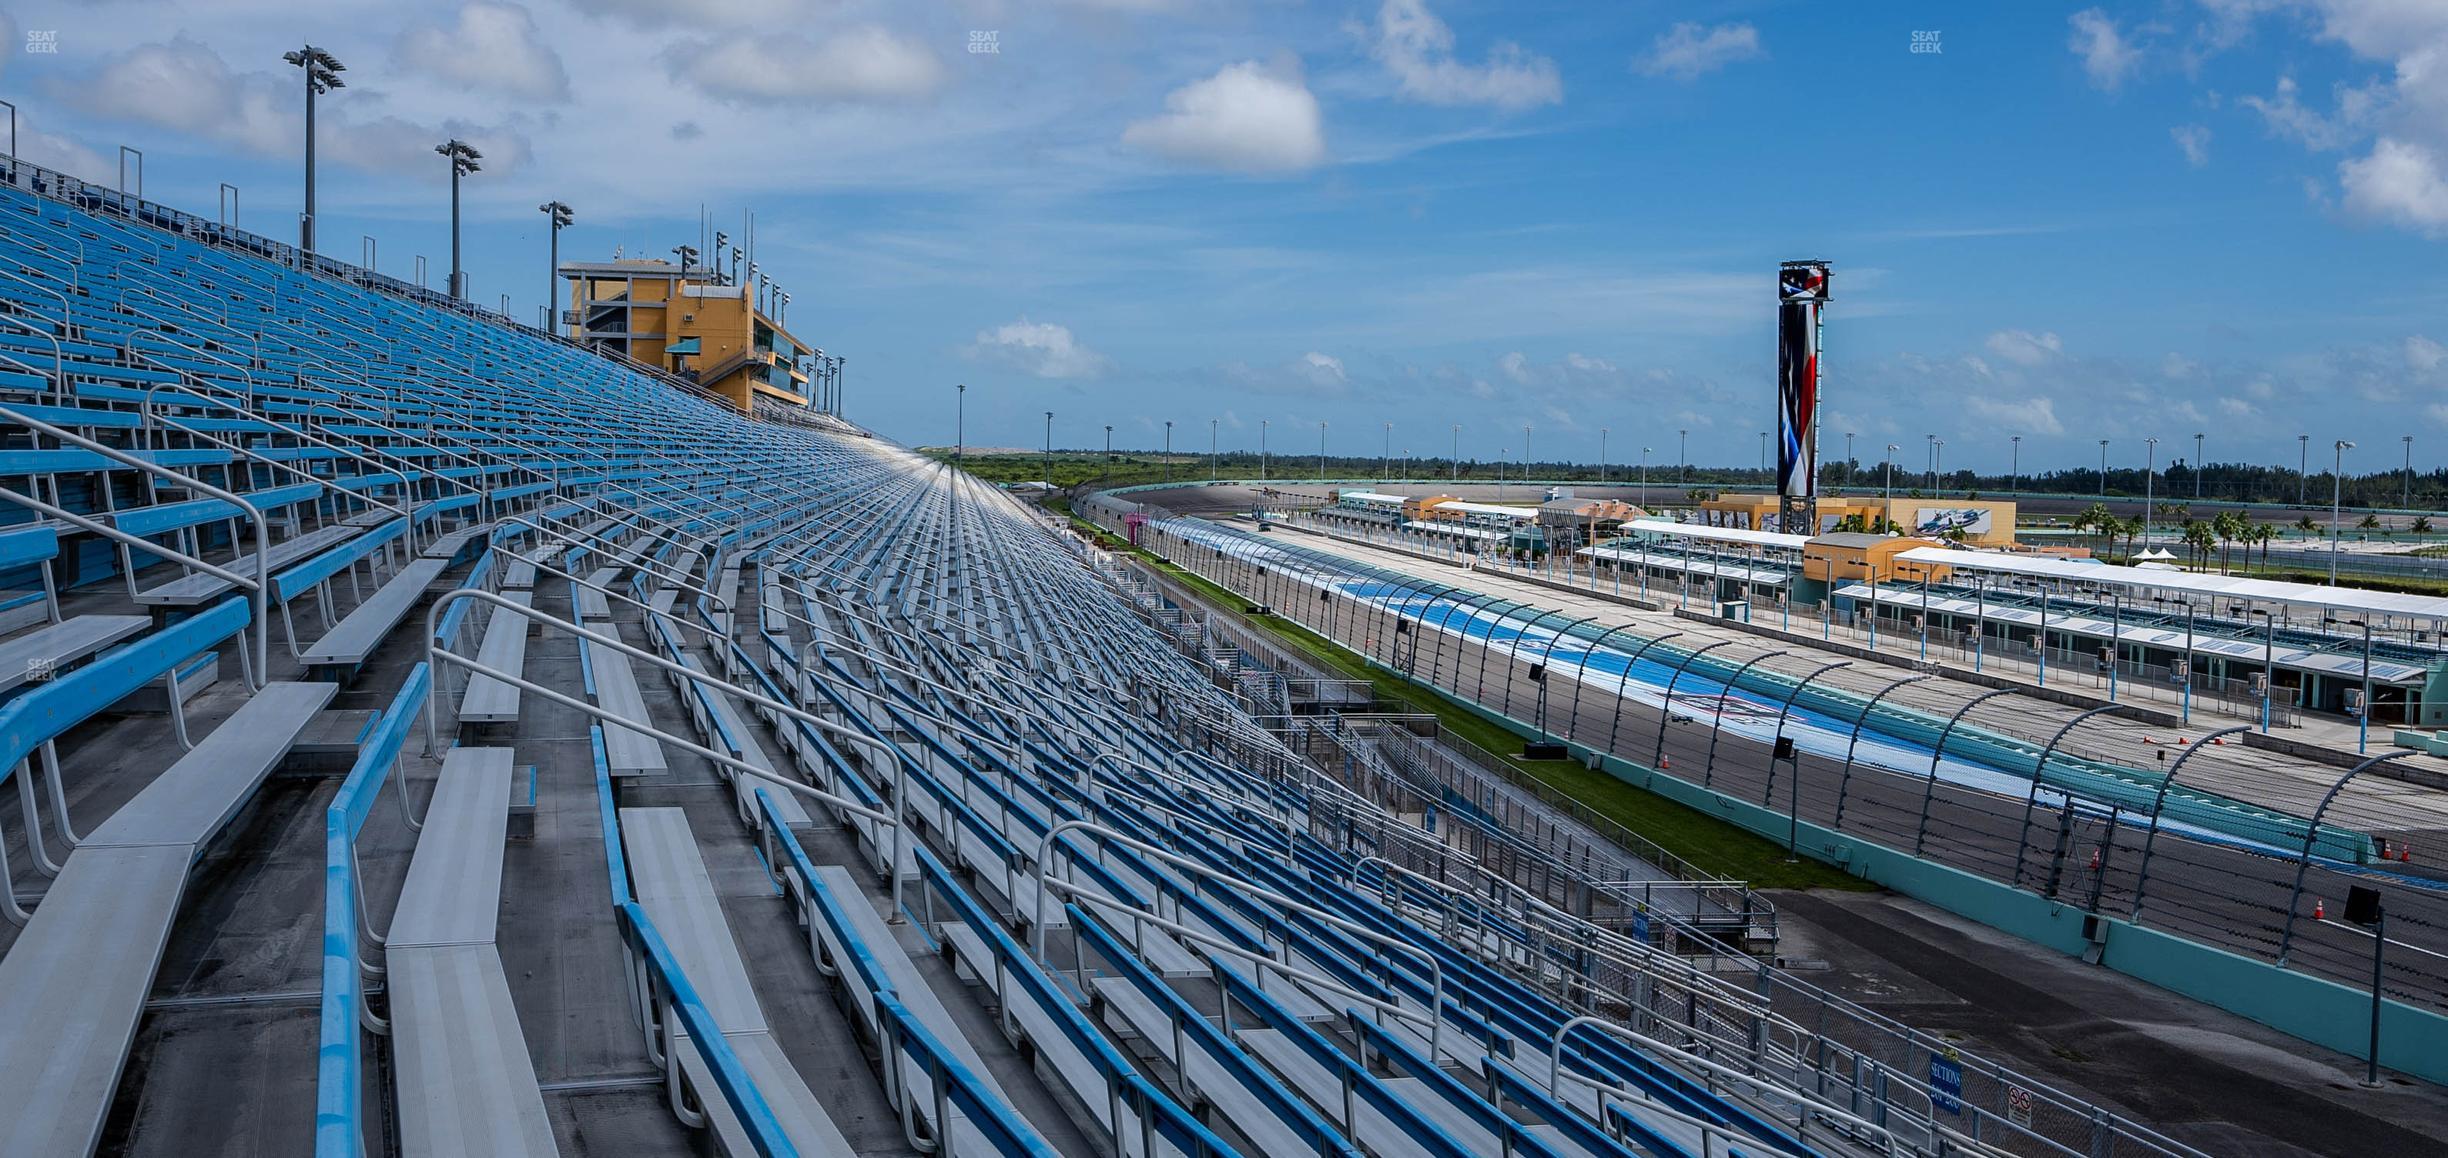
261	585
434	652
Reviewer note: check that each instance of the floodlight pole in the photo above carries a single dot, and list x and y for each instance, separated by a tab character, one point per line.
322	75
2197	465
2150	493
1049	452
2014	464
1211	450
463	161
560	216
2337	496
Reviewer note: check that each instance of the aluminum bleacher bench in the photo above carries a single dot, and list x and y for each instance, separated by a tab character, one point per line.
362	630
727	730
670	882
591	600
489	700
521	574
876	940
627	752
466	1082
448	545
197	587
38	653
73	986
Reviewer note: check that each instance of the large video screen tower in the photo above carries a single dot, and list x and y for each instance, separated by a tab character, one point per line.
1802	289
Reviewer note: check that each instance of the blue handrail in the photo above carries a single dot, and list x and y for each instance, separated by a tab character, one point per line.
339	1118
730	1074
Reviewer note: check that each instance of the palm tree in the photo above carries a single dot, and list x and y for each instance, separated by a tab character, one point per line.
2096	518
2306	525
2199	539
2369	523
2422	525
2228	526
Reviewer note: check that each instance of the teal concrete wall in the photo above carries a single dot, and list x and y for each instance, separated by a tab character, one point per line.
2413	1041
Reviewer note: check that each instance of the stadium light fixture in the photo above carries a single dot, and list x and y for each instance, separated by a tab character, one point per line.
463	161
2303	465
2014	463
2197	464
560	216
322	76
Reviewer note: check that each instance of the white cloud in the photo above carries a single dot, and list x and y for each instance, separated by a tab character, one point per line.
2178	366
2024	348
185	86
1244	119
1687	50
2424	355
1324	369
2438	413
2287	116
1039	349
2399	182
2234	407
868	64
2036	416
2107	55
1516	366
705	13
2194	142
492	47
1417	48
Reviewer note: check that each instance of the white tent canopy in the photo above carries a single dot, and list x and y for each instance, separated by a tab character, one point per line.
1744	536
2350	600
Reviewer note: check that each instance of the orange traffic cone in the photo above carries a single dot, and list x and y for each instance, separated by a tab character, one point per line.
2181	741
2148	740
2095	860
2405	852
2319	911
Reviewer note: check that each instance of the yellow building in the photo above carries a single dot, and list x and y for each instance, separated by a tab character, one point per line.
1982	522
1848	557
695	324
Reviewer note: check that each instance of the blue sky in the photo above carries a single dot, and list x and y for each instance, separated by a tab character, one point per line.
2070	222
